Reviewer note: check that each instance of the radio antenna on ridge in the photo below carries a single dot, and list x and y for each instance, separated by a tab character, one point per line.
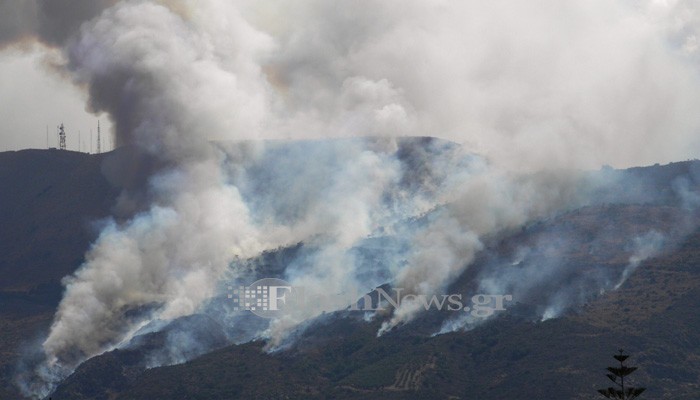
99	146
61	137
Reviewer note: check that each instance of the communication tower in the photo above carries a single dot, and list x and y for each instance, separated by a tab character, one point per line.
99	146
61	137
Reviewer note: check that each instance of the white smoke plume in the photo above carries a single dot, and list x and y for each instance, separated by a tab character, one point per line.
645	246
165	92
483	203
541	85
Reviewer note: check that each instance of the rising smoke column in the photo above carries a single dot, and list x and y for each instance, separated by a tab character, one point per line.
159	90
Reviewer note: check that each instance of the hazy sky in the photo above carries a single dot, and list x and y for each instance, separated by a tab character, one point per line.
33	97
566	83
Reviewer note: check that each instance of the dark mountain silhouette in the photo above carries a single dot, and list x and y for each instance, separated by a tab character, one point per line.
52	200
49	200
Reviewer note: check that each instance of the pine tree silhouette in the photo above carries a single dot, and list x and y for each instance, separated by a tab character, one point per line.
621	392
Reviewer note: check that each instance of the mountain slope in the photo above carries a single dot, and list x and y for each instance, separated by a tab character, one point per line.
655	315
53	199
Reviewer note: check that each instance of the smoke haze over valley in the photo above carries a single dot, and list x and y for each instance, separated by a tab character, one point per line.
437	147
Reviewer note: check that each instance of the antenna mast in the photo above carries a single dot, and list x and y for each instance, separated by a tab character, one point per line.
99	146
61	137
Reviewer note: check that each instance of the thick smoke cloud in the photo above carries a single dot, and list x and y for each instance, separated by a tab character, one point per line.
167	93
535	84
548	85
543	83
17	19
51	21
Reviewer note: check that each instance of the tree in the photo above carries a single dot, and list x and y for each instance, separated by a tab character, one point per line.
621	392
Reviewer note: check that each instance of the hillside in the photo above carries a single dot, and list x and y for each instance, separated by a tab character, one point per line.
48	204
51	201
655	315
